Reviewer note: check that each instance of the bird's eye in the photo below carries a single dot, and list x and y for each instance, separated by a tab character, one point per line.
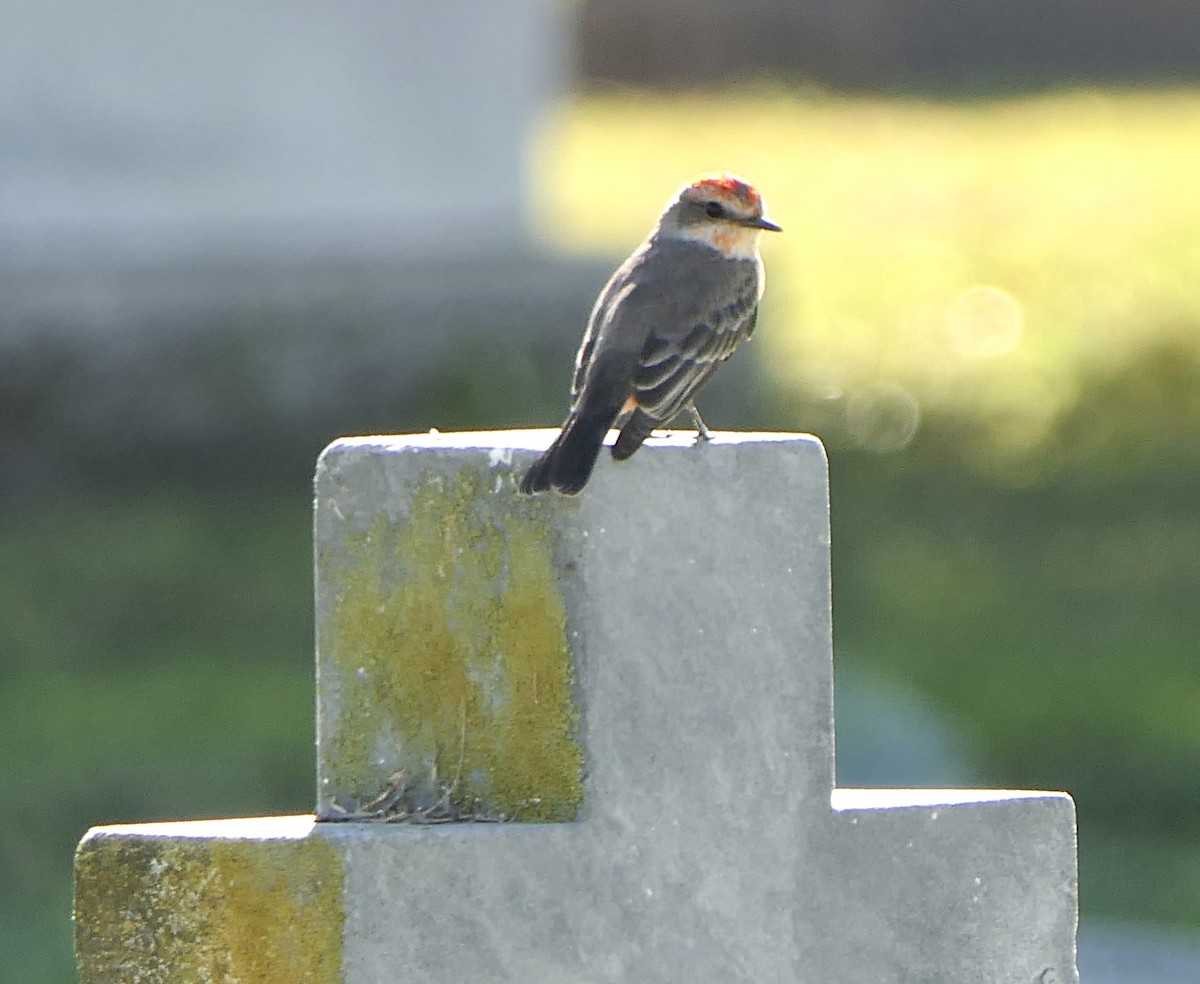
714	210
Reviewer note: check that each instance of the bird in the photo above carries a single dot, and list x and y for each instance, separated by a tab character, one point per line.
667	318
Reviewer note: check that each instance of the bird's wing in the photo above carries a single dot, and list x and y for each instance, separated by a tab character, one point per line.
674	364
613	318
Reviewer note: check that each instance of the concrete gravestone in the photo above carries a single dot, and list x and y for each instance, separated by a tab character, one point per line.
641	679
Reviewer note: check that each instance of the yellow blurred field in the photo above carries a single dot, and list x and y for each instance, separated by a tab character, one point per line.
970	261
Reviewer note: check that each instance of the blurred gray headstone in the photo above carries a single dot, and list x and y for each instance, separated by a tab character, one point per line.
307	218
1112	953
144	130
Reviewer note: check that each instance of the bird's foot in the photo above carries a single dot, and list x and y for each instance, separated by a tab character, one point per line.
702	432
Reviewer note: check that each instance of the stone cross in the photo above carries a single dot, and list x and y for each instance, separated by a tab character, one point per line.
583	740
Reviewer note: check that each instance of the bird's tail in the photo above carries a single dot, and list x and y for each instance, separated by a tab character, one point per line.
635	431
567	464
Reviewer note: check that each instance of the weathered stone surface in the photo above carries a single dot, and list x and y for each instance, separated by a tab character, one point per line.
445	673
252	901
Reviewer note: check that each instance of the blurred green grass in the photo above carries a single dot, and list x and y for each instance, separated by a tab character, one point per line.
987	260
155	663
1020	279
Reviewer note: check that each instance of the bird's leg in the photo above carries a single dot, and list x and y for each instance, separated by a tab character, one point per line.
702	432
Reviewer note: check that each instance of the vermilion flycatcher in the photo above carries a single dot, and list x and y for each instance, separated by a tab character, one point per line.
669	315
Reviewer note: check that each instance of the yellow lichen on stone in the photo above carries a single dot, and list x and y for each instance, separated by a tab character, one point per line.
200	911
448	640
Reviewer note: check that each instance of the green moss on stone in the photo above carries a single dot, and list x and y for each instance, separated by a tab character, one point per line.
448	639
197	911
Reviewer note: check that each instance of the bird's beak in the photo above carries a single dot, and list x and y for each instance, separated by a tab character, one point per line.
764	224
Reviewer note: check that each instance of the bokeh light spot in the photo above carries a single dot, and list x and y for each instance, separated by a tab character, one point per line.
882	417
984	321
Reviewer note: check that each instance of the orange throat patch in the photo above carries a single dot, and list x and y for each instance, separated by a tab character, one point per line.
732	241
